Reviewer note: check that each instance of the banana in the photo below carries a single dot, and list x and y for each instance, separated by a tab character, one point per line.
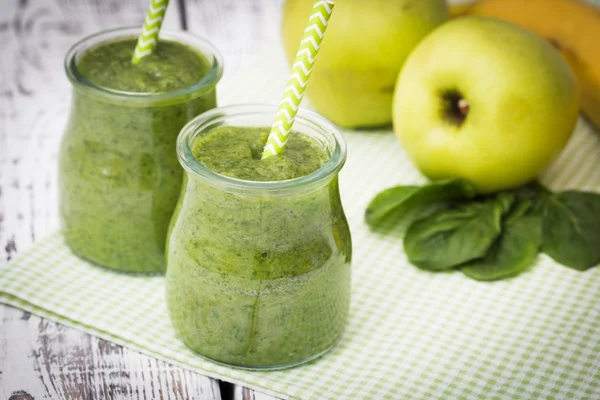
573	26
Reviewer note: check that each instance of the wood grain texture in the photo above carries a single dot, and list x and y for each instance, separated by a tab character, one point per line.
241	30
242	393
46	360
38	358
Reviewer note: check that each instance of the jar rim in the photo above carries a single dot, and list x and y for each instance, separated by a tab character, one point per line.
316	122
203	46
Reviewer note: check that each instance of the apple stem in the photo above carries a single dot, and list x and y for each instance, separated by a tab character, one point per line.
463	107
454	107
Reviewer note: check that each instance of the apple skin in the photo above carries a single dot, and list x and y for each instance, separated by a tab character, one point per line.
362	52
522	96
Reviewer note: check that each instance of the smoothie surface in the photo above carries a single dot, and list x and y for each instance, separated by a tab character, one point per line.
236	152
172	66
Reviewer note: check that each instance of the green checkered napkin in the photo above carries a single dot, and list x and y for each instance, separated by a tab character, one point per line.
411	335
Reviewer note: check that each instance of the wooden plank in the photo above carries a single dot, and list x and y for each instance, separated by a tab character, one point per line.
242	393
40	359
45	360
241	30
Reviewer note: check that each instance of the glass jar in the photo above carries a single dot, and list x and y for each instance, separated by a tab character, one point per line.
119	178
258	273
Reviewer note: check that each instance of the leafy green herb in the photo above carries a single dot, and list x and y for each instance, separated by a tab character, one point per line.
491	237
457	234
515	249
401	200
571	229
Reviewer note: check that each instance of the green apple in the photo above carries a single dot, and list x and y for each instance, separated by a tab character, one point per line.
484	100
364	48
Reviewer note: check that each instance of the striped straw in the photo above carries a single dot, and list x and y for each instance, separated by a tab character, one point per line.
149	37
301	69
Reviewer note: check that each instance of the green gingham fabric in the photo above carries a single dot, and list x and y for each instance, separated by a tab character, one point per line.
412	334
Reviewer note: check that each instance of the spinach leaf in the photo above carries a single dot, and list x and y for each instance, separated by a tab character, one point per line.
515	249
571	229
458	234
401	200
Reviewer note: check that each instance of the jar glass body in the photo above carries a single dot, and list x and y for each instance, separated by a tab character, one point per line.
258	273
119	177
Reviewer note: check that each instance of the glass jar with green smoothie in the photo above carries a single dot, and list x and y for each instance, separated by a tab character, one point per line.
258	254
119	177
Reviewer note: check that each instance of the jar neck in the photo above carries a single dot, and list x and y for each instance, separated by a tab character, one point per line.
261	115
83	85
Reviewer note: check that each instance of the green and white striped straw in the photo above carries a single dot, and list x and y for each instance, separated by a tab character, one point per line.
149	37
301	69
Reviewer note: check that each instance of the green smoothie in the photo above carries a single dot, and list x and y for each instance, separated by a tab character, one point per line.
118	169
256	279
236	152
172	66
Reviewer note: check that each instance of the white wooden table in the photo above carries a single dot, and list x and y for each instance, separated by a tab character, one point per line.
40	359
